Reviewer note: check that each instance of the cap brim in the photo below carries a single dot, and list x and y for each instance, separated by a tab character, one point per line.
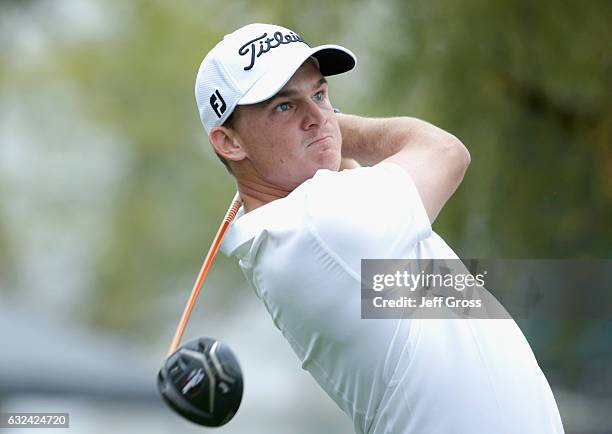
333	59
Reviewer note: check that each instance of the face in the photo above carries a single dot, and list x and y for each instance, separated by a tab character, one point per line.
289	137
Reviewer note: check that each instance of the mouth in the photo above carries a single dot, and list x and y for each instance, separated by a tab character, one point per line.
319	141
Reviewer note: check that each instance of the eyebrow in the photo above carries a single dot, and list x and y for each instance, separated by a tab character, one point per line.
291	92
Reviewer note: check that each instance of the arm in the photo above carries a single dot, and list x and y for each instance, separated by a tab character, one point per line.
435	160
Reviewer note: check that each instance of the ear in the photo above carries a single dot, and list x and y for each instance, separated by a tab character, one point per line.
226	143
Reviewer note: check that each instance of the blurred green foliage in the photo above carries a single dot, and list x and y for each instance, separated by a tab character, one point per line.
525	85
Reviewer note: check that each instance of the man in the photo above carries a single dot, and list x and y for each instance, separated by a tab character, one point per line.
305	225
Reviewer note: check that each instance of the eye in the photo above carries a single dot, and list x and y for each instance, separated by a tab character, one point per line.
282	107
319	96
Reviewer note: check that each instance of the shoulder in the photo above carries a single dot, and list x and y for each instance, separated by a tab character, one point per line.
364	195
365	188
366	212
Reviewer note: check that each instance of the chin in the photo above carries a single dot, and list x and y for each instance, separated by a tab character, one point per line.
329	160
328	156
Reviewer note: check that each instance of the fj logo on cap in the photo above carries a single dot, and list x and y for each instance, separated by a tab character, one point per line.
266	45
217	103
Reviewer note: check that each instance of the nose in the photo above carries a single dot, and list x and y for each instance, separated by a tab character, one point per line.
314	116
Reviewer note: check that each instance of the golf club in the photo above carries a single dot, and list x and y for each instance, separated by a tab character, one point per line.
202	380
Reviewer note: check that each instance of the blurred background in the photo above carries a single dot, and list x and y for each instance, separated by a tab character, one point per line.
110	194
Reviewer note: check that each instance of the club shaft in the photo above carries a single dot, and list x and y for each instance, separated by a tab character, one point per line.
212	252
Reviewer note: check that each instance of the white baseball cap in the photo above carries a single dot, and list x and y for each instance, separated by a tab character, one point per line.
252	64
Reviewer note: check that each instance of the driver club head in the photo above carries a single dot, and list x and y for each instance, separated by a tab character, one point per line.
202	381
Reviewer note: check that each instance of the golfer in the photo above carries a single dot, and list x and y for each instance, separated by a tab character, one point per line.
310	213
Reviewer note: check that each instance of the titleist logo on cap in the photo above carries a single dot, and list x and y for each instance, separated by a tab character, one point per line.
266	45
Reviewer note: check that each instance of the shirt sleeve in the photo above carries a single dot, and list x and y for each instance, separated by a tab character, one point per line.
366	213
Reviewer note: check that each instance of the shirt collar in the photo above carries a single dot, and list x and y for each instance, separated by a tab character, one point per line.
236	234
246	226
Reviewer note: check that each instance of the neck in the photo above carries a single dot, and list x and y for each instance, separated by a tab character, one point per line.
255	194
254	190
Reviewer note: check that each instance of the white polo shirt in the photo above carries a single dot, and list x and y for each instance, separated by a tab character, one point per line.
302	256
